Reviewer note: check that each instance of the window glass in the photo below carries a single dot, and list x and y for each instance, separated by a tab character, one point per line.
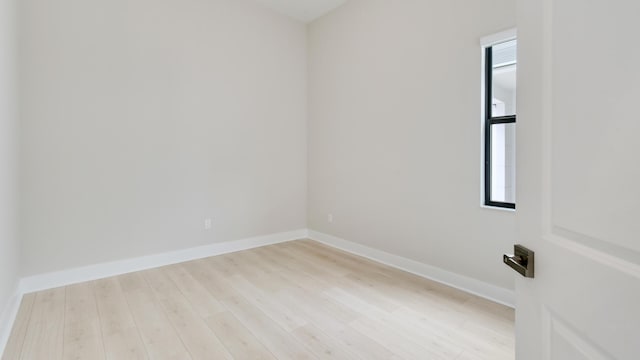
503	163
500	125
504	79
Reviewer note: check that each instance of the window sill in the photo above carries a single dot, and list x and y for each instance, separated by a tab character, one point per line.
498	208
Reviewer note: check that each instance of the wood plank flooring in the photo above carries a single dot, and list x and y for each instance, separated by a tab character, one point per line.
296	300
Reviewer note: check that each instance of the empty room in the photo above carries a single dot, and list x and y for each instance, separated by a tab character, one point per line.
319	179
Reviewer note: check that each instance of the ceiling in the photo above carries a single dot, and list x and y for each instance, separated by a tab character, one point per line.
303	10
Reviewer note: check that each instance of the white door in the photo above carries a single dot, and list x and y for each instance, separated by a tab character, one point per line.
579	179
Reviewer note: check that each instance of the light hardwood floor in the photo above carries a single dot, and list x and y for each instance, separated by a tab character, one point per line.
297	300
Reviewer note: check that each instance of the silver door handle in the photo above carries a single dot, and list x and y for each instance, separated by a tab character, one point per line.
522	261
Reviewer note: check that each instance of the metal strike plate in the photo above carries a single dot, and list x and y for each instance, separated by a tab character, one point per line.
521	261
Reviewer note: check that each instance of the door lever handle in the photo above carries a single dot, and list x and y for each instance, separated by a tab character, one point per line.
522	261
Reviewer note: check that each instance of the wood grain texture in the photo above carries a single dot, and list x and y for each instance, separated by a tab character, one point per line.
19	331
120	335
296	300
82	332
44	338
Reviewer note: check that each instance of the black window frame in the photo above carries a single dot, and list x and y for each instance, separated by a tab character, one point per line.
490	121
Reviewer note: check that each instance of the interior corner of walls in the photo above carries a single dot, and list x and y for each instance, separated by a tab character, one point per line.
470	285
252	49
104	270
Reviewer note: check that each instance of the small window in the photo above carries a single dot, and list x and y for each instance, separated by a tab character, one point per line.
500	125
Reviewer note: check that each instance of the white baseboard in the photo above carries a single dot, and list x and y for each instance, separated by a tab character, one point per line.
464	283
8	317
101	271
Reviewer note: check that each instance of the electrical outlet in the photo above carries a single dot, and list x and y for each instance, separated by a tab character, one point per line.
330	218
207	224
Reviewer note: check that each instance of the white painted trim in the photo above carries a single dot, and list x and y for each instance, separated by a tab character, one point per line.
500	37
464	283
100	271
8	318
497	208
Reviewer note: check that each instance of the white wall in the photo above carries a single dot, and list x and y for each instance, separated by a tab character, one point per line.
141	118
394	132
9	247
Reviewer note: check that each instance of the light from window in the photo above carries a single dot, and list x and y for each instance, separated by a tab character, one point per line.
500	125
